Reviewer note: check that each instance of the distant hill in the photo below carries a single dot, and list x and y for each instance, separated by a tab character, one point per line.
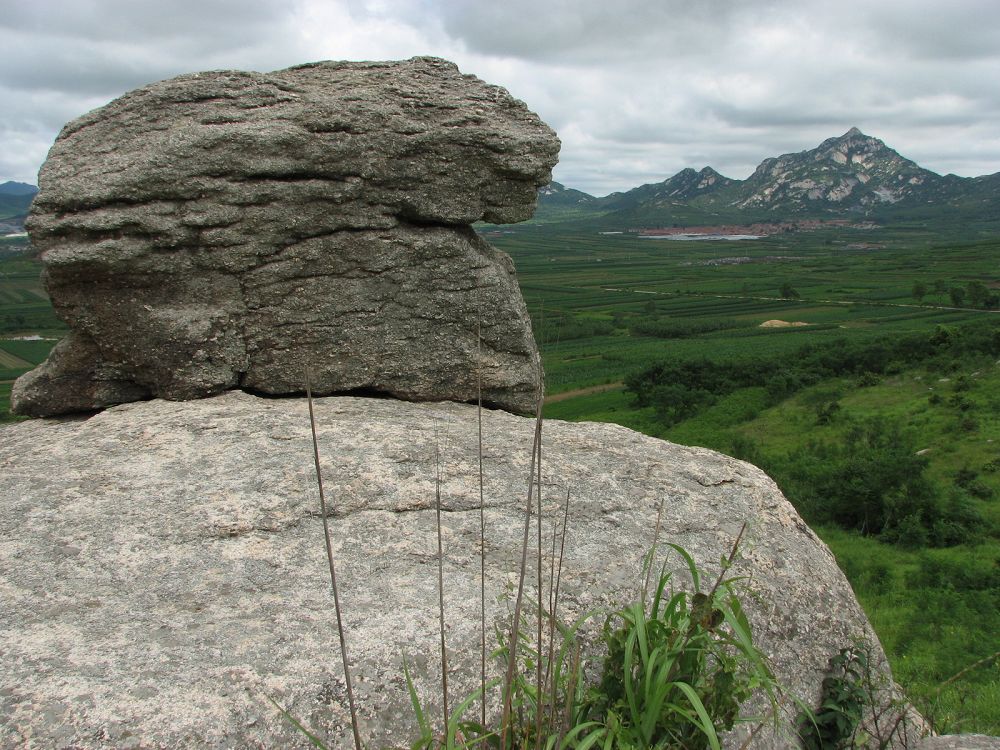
557	194
852	176
18	188
15	199
683	188
557	202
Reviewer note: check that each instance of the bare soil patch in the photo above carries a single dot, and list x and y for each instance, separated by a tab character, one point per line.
781	324
582	392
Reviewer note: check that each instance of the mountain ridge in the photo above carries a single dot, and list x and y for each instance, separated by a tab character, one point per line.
15	200
852	175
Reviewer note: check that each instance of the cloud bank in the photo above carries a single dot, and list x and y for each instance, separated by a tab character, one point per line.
636	90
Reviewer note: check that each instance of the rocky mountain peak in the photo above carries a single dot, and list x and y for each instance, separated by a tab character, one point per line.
844	176
853	171
859	151
709	177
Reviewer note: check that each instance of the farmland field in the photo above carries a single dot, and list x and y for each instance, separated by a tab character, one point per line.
592	297
28	326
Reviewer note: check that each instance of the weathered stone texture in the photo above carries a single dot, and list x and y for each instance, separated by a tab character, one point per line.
163	571
222	230
959	742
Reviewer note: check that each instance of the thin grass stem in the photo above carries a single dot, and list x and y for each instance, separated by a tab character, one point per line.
539	566
333	571
966	670
550	654
729	562
482	507
444	652
652	551
553	614
574	674
518	602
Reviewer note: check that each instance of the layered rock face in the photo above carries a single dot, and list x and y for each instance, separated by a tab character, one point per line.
225	230
163	566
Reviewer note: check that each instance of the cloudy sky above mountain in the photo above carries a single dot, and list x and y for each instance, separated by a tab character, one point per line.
636	89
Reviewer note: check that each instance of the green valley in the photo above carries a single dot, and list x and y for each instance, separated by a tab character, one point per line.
837	361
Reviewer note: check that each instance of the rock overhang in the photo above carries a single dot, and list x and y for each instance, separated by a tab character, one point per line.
181	224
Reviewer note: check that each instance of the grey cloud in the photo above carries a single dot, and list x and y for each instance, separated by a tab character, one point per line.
581	31
113	45
928	29
117	20
65	57
636	89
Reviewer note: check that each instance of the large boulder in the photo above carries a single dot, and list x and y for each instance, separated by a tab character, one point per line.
225	230
163	572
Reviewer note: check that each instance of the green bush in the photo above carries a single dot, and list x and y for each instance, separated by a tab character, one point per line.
676	674
835	725
871	480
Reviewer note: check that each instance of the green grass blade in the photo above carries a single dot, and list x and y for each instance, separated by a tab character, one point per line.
692	567
704	721
313	739
418	711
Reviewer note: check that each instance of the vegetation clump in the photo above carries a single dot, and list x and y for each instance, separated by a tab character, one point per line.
848	701
678	673
677	389
869	476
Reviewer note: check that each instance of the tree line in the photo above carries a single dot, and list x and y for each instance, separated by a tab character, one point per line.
869	477
677	390
974	294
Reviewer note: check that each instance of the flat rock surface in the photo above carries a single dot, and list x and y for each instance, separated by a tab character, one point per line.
162	565
220	230
959	742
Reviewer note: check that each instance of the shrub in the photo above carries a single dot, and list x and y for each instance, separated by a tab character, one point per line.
826	413
871	480
868	379
675	675
835	724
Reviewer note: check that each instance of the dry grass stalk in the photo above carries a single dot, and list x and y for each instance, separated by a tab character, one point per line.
518	603
539	565
482	510
652	551
444	653
553	614
333	571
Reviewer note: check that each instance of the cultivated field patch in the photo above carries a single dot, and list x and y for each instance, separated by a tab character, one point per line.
9	361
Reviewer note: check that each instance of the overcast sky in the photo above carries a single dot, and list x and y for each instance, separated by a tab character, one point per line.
636	89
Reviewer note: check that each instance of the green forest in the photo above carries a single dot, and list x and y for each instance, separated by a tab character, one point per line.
858	366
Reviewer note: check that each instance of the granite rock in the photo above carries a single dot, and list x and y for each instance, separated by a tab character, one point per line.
224	230
162	565
959	742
